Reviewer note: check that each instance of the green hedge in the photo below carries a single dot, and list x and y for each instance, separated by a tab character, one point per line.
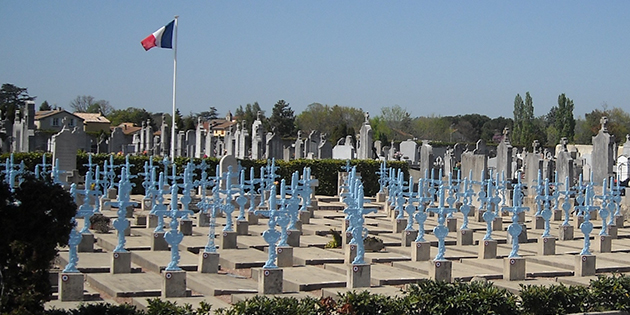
605	293
324	170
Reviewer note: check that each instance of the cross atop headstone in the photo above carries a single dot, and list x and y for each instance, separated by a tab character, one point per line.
159	209
466	195
355	217
174	237
424	200
515	228
566	205
271	235
606	207
585	210
441	231
545	199
123	201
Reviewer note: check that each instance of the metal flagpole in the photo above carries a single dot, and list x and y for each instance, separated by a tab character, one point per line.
173	125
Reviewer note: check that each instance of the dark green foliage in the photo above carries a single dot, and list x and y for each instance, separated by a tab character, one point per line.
427	297
282	120
98	309
367	303
35	221
261	304
555	299
12	98
159	307
437	297
611	293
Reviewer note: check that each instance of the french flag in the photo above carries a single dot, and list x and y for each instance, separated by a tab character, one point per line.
162	38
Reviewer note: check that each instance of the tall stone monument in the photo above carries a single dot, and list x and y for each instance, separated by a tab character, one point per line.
366	139
504	155
603	156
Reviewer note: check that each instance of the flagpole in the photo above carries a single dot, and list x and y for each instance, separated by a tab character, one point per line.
173	125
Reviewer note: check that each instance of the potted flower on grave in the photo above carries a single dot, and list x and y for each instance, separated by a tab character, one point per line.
100	223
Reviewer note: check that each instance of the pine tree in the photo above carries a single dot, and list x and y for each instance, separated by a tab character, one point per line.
282	119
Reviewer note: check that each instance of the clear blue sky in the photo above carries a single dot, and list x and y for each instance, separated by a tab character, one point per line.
429	57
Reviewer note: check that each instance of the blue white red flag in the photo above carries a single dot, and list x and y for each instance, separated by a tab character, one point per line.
162	38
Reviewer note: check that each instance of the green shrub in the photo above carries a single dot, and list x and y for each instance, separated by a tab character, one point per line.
367	303
610	292
261	304
555	299
35	222
438	297
98	309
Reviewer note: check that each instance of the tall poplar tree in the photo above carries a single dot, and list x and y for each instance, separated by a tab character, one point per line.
565	122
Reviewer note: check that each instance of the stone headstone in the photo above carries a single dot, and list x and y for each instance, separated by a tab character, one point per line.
243	144
229	141
64	148
504	155
299	146
475	163
626	147
602	157
378	148
344	150
165	138
312	143
564	163
426	156
190	142
180	144
366	140
199	139
224	163
258	138
324	149
117	141
210	146
274	146
409	151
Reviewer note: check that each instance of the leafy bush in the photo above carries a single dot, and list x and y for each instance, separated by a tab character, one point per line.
35	221
439	297
367	303
555	299
611	292
427	297
261	304
159	307
98	309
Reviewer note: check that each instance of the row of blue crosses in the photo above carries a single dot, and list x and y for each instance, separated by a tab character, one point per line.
14	174
416	204
90	206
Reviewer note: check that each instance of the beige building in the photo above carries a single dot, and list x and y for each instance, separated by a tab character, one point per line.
52	120
94	122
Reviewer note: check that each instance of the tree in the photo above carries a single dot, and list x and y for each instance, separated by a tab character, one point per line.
132	114
282	119
87	104
189	122
35	222
209	114
492	130
526	127
618	124
399	120
248	115
565	122
435	128
45	106
13	98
